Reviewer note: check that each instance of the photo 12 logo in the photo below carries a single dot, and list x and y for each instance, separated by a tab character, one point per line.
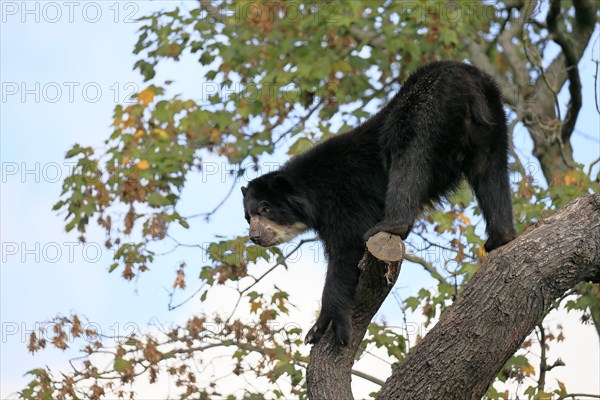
90	331
68	92
53	12
52	252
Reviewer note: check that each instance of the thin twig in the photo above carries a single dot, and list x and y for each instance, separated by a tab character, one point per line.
596	161
513	153
428	267
209	214
172	293
267	272
368	377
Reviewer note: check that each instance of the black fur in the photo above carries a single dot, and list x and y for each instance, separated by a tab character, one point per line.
446	123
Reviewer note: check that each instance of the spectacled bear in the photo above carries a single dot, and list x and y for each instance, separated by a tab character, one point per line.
446	123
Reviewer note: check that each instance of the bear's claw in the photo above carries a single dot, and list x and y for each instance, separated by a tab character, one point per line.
341	330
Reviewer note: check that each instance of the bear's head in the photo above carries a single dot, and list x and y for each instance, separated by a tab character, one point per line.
273	209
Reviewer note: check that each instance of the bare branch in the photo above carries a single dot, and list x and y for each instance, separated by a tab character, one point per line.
596	161
557	27
541	333
368	377
428	267
521	75
172	294
596	86
209	214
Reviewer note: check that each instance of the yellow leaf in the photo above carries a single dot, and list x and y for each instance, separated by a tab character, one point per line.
464	218
125	161
143	164
129	123
282	306
570	179
138	134
146	96
528	370
561	386
162	133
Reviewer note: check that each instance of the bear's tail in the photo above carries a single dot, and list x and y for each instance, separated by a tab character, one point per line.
481	112
485	101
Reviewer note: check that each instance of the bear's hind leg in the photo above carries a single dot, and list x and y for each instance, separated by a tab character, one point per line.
488	176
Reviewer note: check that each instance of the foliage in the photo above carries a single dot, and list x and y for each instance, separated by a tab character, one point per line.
276	69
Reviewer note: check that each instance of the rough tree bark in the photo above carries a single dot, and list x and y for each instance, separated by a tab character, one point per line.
330	366
505	299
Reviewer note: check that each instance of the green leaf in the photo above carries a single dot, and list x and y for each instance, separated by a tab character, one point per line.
131	342
448	37
156	200
120	364
300	146
412	303
76	149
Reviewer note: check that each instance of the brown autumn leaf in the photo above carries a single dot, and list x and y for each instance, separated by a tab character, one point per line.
179	280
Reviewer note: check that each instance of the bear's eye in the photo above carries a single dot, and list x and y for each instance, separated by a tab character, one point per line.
264	210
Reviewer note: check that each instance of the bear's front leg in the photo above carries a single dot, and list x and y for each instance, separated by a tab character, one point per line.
408	188
338	298
340	323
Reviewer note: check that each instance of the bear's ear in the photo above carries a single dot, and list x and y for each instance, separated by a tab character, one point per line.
281	184
244	191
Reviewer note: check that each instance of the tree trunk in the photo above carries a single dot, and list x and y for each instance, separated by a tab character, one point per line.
466	349
329	370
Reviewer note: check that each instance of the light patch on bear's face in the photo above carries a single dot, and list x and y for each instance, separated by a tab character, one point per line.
267	233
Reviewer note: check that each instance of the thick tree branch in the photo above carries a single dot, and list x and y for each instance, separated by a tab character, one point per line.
462	354
329	370
567	44
550	135
574	42
504	301
518	64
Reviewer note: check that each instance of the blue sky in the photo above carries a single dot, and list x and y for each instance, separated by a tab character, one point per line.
62	71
